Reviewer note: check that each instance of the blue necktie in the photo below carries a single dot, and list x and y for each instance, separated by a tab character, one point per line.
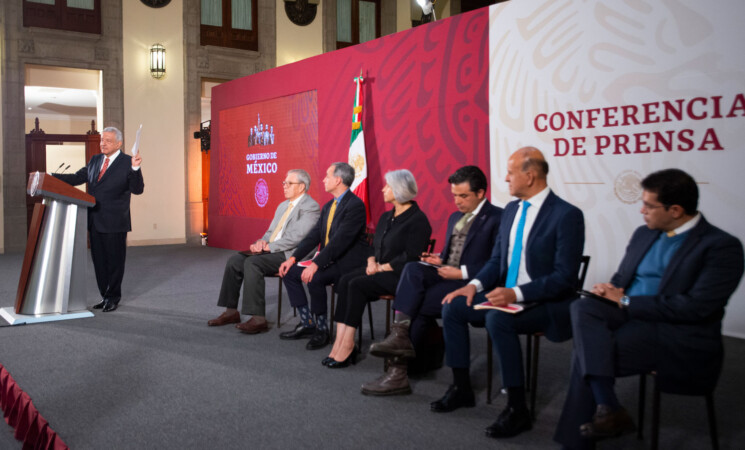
517	249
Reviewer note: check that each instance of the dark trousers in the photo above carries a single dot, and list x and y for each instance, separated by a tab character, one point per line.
249	271
606	343
356	289
316	287
109	252
504	330
419	295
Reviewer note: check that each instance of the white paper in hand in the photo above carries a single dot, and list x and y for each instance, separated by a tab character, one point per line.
136	146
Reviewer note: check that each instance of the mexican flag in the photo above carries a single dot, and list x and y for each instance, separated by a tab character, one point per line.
357	154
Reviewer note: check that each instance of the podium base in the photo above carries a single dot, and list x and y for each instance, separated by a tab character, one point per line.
12	318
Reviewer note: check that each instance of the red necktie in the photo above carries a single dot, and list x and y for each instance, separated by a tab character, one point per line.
103	169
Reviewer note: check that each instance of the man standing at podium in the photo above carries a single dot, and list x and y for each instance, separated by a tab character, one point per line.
112	177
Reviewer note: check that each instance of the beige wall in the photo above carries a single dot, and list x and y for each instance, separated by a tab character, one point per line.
295	42
403	14
442	9
158	215
2	125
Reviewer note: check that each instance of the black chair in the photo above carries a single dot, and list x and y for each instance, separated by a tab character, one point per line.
279	301
656	412
390	298
532	350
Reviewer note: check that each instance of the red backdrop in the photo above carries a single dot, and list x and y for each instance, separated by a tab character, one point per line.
426	110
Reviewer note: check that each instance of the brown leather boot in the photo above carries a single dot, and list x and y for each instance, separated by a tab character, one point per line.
394	382
397	344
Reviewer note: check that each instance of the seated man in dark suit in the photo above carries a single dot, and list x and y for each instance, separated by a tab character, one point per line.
535	260
670	291
340	232
293	219
471	233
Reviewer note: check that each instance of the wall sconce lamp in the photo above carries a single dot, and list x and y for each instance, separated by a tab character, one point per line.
157	61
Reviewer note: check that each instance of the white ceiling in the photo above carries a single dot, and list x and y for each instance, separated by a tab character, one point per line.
44	101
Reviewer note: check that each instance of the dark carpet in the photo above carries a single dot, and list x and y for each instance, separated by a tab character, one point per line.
153	375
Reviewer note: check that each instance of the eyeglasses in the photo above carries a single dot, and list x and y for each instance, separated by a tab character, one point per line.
288	183
649	207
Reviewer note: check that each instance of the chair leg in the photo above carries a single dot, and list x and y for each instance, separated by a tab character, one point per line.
641	405
279	304
528	362
489	363
369	316
331	315
388	313
534	375
655	416
712	421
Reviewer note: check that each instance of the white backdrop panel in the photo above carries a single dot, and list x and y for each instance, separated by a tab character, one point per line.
611	91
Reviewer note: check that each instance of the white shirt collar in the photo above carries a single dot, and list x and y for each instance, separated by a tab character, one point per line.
293	203
537	200
477	210
688	225
112	157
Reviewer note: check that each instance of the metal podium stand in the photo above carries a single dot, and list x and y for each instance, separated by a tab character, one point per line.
52	285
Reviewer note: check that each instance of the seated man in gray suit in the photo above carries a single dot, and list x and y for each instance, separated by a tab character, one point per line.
292	221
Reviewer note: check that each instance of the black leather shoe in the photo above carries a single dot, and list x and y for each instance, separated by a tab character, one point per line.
607	423
319	339
453	399
300	332
110	306
100	305
352	358
511	422
325	361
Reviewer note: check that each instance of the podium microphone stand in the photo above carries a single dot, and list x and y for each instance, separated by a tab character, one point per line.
52	285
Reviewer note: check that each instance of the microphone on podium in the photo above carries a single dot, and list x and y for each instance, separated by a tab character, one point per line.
65	169
58	168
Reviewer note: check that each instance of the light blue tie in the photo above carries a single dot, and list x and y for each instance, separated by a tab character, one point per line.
517	249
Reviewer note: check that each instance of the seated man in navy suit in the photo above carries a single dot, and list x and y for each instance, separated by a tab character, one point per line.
664	312
340	233
471	233
535	261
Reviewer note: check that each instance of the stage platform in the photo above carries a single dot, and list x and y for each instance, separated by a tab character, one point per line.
153	375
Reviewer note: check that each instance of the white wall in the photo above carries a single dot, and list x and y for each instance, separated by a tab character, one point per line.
158	215
295	42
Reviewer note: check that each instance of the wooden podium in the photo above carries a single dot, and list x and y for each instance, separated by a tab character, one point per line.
53	277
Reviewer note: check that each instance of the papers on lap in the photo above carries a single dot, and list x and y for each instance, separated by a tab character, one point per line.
513	308
250	253
307	262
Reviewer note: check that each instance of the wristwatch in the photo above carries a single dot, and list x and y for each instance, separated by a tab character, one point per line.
625	301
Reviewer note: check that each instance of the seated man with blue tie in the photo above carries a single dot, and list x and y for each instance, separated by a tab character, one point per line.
340	232
535	261
293	219
471	233
663	312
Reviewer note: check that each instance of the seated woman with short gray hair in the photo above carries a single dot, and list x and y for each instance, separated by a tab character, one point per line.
401	236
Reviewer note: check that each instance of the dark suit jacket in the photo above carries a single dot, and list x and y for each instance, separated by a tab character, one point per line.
112	193
401	240
480	239
689	306
553	255
347	246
